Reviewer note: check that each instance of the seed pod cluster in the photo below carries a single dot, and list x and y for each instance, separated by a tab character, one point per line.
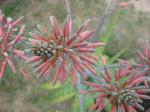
45	50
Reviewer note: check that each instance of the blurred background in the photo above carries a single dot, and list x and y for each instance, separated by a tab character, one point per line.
125	30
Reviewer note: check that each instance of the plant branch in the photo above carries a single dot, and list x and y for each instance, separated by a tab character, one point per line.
104	17
68	4
79	95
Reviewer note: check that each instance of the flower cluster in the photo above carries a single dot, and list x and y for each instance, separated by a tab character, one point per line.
126	4
144	59
123	90
10	36
60	52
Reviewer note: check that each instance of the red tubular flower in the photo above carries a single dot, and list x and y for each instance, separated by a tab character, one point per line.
9	37
122	90
126	4
144	59
62	52
144	63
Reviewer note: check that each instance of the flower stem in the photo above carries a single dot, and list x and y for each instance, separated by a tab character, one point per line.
80	97
103	18
68	7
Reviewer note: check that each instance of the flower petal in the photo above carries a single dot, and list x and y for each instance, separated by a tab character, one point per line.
56	29
2	70
67	27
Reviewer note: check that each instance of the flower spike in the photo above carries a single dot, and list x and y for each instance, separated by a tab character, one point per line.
121	89
63	52
10	36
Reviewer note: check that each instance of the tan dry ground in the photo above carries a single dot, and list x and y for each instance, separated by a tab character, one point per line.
143	5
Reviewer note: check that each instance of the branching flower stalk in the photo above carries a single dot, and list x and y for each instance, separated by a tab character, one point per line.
79	86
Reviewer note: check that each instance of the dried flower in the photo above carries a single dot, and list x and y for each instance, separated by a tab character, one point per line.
62	52
10	36
122	90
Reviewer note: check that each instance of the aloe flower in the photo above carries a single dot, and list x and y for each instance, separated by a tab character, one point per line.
126	4
10	36
122	90
144	57
62	53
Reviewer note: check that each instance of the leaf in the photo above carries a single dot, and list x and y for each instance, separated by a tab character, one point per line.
87	101
60	92
76	105
98	52
108	107
110	26
50	86
62	98
114	58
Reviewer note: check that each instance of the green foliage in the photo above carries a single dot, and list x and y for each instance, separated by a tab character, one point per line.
108	107
98	52
50	86
87	101
76	104
105	37
60	93
64	97
114	58
10	8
